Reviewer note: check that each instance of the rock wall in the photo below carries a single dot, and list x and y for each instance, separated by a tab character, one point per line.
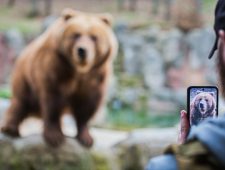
163	64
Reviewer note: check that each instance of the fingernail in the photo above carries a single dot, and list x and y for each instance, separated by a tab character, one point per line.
182	113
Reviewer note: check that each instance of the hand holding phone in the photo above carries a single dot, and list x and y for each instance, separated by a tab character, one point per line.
202	103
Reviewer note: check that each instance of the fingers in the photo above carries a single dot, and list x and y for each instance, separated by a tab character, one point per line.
184	127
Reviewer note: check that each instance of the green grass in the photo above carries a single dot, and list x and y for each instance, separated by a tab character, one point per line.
24	25
208	10
9	19
5	93
209	4
127	119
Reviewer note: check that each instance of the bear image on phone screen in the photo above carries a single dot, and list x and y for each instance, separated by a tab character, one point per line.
203	105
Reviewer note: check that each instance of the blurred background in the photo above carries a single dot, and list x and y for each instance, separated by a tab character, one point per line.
163	49
164	45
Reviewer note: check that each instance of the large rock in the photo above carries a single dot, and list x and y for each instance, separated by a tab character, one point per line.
6	59
200	52
170	45
188	14
4	104
141	145
15	40
32	153
152	67
166	102
132	44
120	151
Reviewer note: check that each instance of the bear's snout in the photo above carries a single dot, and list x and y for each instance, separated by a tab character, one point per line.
201	105
82	53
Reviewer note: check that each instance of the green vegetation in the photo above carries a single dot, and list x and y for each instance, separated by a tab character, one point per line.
208	4
16	17
26	26
9	19
128	119
100	161
5	93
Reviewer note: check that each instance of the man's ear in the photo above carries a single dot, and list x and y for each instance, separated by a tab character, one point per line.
221	60
106	18
221	44
69	13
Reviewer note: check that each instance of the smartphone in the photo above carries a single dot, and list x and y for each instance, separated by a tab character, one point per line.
202	103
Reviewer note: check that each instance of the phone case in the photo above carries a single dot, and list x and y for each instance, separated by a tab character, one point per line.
202	103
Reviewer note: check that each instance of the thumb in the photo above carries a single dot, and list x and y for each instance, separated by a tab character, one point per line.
184	127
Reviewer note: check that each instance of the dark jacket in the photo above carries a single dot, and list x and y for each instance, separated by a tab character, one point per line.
205	149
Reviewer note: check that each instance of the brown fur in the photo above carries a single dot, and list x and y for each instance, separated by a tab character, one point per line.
196	115
49	75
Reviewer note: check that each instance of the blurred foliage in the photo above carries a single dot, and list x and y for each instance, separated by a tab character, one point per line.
208	5
17	17
127	119
100	161
10	20
5	93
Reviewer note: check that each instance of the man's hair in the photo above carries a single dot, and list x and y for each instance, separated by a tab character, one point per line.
219	23
221	68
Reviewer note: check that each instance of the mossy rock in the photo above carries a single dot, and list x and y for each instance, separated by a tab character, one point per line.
100	161
31	153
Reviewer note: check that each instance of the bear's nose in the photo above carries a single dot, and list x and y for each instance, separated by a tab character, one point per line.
82	53
201	105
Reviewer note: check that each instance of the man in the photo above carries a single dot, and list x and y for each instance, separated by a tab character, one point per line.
204	148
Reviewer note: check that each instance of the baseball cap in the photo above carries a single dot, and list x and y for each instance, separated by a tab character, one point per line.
219	23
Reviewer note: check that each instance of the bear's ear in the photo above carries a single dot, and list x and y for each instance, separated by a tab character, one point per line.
211	93
68	13
106	18
197	92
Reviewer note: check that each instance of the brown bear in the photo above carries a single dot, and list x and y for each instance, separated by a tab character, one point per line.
66	67
203	105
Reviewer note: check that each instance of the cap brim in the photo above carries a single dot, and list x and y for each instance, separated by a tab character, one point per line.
213	49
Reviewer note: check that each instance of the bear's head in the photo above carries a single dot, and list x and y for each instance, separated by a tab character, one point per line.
87	39
204	102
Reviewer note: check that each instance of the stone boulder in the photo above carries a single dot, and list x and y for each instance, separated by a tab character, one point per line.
143	144
188	14
31	152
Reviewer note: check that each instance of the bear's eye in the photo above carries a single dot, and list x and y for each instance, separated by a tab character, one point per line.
93	38
76	36
206	100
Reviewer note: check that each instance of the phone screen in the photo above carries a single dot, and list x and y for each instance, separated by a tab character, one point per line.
202	103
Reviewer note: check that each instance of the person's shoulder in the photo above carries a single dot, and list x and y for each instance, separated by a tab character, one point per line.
211	125
167	162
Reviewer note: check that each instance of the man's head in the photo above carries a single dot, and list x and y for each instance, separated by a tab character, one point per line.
219	28
221	60
219	23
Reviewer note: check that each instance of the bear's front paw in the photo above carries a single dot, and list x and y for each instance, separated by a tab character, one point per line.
85	138
53	137
10	130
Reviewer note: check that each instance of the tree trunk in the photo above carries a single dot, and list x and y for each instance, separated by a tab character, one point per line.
120	5
34	8
132	5
48	7
11	3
